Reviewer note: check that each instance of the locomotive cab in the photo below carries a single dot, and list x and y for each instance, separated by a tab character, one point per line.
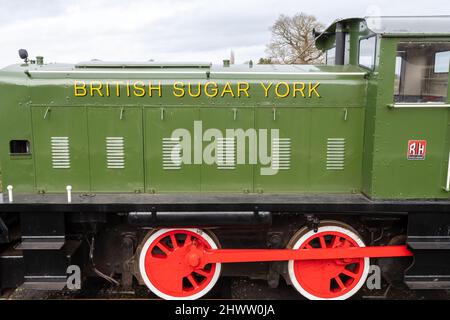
407	64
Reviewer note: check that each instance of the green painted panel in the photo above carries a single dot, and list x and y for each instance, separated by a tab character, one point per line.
15	117
392	174
336	149
231	171
395	175
163	173
61	148
291	127
116	149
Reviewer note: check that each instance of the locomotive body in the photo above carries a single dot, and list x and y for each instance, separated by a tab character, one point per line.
200	129
286	159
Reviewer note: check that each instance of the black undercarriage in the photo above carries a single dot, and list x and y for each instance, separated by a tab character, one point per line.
42	235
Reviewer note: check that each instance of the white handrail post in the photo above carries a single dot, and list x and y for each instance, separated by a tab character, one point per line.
10	193
447	185
69	194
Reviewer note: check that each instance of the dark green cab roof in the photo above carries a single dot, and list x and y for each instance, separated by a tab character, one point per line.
411	26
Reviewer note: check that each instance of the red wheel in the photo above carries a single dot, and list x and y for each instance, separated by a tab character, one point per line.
169	266
328	279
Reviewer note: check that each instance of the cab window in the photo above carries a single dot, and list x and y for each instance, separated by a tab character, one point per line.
441	62
367	50
330	56
421	72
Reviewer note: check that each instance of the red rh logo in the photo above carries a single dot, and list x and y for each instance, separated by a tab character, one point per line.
417	149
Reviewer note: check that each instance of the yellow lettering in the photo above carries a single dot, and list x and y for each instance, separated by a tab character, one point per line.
197	94
313	89
214	90
243	89
277	90
227	89
178	89
128	89
266	89
297	89
139	90
118	88
96	86
107	89
157	88
79	88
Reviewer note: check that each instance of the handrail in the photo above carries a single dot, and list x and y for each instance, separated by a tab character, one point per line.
419	105
447	185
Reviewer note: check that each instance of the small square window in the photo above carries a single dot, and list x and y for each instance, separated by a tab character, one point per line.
19	147
441	62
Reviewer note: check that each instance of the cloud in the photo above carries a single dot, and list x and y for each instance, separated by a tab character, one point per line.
203	30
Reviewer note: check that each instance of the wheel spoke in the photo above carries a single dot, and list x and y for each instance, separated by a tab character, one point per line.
163	248
339	282
336	241
192	281
347	244
323	244
173	240
188	240
350	274
202	272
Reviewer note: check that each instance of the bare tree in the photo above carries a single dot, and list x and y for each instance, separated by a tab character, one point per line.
265	61
293	41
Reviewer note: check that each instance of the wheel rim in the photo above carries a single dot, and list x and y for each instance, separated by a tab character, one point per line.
328	278
170	271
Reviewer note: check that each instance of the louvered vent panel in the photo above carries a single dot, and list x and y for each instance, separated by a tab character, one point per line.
60	152
115	153
335	153
171	153
281	153
226	153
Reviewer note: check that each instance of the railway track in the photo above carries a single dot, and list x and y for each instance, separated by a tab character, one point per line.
236	289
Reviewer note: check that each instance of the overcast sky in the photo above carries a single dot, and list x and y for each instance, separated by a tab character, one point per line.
167	30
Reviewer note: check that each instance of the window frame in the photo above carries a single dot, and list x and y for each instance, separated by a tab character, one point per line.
394	104
374	52
326	56
434	68
401	78
20	155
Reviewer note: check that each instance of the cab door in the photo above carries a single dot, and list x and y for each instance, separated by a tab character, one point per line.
116	149
336	149
285	130
169	164
228	169
446	184
61	148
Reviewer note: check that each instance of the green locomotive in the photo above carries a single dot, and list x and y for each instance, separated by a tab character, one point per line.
196	165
